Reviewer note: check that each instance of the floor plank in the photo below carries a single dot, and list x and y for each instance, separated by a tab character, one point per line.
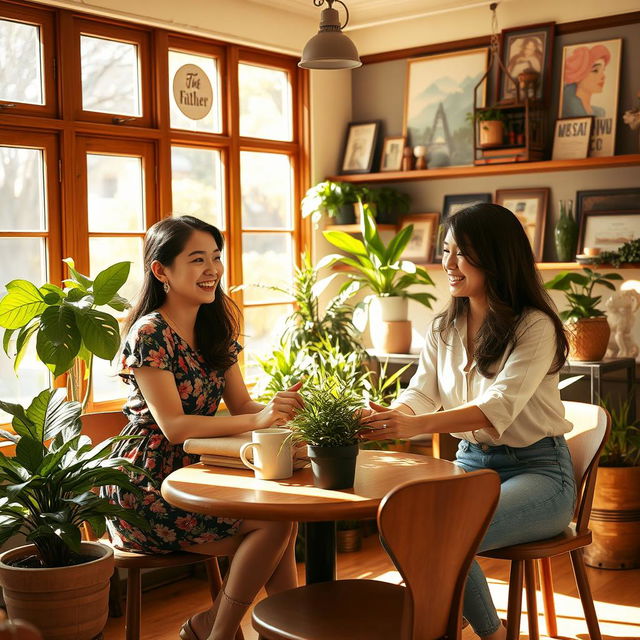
617	596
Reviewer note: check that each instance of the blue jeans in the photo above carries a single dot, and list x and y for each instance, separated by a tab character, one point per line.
537	500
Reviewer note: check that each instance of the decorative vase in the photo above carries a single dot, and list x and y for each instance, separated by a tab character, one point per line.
333	467
588	339
566	233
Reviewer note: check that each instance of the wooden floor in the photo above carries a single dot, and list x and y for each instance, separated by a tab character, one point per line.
617	596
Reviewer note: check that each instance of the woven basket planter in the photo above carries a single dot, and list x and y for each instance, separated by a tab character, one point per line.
588	338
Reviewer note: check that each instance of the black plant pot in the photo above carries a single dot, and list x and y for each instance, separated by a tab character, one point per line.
345	214
333	467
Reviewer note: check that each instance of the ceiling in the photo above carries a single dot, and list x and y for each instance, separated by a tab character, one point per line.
367	13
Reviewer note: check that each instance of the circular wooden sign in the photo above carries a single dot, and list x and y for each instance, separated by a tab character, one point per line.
192	91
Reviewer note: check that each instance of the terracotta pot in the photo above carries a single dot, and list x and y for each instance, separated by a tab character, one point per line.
491	133
63	603
615	519
588	339
349	540
391	337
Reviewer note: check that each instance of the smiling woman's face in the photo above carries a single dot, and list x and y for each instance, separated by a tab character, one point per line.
465	280
594	81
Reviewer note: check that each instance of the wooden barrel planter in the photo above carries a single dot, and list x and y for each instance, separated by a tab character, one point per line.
615	519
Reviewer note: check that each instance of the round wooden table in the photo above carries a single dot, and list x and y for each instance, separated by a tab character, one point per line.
236	493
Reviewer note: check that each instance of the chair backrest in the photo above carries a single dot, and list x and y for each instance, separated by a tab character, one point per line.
431	529
100	426
591	428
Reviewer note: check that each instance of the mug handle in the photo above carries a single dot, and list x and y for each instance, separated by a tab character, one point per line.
243	456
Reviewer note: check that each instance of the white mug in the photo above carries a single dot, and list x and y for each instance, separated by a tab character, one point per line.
273	458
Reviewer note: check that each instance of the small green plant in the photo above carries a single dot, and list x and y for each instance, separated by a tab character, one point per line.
46	487
629	252
327	197
330	416
392	204
622	449
578	289
486	115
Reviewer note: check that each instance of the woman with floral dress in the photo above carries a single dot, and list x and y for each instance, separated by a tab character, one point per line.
180	359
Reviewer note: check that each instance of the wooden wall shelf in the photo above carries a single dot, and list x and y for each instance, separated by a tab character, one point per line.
493	169
355	228
542	266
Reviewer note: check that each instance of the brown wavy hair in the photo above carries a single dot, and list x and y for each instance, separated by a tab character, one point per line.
218	322
493	240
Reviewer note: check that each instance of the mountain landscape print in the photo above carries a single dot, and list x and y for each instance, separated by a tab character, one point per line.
439	95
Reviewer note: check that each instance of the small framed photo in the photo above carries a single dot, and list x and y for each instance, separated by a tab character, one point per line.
530	207
571	138
453	204
608	230
607	200
392	151
420	247
528	51
360	147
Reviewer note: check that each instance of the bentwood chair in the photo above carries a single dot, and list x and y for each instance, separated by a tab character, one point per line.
591	427
431	530
99	427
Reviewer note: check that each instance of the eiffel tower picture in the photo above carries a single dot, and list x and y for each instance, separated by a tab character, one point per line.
440	143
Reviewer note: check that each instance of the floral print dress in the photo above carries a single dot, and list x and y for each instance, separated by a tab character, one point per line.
152	343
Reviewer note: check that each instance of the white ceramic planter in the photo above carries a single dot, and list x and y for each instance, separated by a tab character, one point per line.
390	308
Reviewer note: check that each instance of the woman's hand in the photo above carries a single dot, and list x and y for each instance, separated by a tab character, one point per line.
282	408
383	423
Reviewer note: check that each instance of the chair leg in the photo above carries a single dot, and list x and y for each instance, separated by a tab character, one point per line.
548	603
134	597
514	608
532	605
584	590
115	595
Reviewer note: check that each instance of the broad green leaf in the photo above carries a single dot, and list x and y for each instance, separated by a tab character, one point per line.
563	281
37	413
76	295
372	238
20	422
52	288
613	276
408	267
81	279
6	340
422	298
58	339
30	453
345	242
100	332
108	282
328	260
398	244
62	415
606	284
119	303
21	304
22	342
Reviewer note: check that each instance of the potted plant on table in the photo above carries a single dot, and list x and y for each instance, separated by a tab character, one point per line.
490	126
380	269
615	517
587	326
334	199
57	582
392	204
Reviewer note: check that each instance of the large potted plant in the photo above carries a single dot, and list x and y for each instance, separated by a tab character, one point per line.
587	327
380	269
615	517
68	327
57	582
334	199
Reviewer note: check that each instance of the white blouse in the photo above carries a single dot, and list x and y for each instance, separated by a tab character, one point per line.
522	401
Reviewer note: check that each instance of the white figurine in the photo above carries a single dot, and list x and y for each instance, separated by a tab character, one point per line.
621	307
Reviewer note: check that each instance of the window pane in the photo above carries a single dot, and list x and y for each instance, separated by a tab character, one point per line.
115	193
263	326
191	87
20	63
107	384
22	258
103	252
265	103
267	258
22	192
267	188
197	184
110	76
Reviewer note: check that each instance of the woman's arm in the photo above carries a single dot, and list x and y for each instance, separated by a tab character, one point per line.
159	389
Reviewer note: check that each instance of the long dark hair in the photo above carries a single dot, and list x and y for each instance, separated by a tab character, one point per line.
493	240
218	322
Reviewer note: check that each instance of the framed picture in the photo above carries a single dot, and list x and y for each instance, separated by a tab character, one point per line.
607	200
438	96
571	138
589	86
530	207
608	230
453	204
360	147
392	151
420	247
526	49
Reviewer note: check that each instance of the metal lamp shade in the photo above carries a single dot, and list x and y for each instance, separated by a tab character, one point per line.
330	50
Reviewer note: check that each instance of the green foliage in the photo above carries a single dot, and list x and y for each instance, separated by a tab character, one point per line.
622	449
377	267
327	197
330	417
392	203
578	288
66	323
629	252
486	115
46	487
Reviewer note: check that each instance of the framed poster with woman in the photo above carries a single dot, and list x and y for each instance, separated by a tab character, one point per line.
590	76
526	49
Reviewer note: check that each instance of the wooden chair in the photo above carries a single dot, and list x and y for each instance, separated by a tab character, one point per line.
591	427
100	426
431	530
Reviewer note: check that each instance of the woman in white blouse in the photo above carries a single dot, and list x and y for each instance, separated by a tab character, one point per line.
488	374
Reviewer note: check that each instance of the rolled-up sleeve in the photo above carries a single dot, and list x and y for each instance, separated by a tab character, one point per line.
524	369
422	394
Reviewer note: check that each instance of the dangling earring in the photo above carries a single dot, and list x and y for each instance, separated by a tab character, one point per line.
166	287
